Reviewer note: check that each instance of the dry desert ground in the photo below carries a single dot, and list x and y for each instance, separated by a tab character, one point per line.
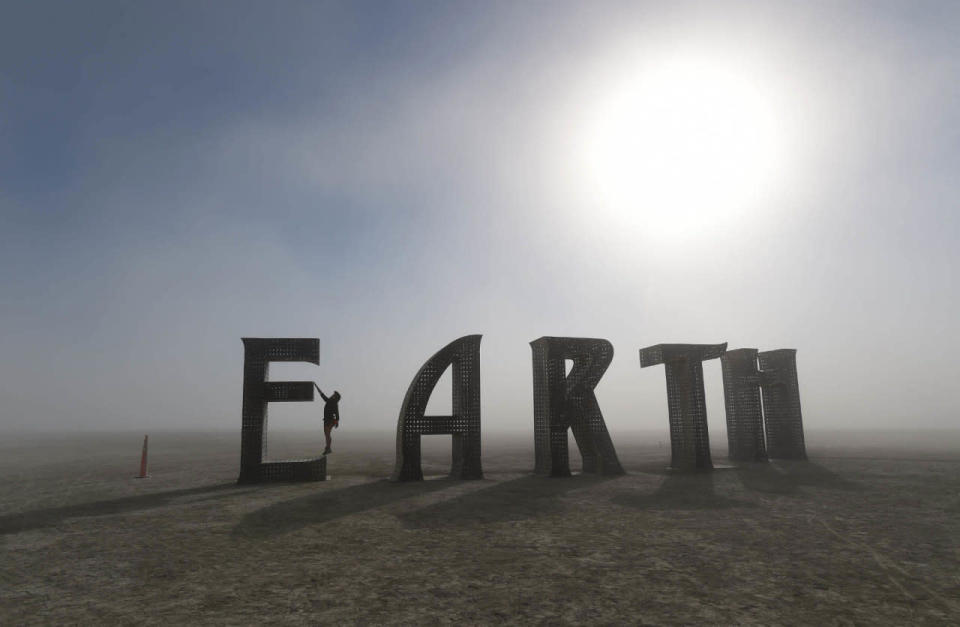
860	534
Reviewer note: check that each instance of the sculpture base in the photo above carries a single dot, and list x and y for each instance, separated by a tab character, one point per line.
703	469
287	470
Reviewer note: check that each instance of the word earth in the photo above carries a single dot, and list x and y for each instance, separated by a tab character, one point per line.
760	389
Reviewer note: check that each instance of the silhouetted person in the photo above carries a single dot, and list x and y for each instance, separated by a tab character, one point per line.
331	415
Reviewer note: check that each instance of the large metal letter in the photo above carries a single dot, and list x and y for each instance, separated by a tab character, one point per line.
463	355
781	404
741	393
689	440
257	392
562	401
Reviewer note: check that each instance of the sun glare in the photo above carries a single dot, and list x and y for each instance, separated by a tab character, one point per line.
679	146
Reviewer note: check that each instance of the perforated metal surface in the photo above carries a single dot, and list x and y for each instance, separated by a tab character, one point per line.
567	401
686	404
295	470
463	356
741	394
257	392
781	404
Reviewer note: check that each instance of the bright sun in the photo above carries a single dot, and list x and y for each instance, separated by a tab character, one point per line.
680	145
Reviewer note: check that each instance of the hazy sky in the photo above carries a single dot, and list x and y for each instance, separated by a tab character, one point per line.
389	176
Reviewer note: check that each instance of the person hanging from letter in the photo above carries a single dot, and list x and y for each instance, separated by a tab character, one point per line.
331	415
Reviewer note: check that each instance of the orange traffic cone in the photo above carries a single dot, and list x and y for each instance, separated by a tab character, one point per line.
143	460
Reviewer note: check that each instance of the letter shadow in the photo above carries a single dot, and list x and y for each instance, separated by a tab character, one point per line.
787	477
51	516
515	499
682	491
295	514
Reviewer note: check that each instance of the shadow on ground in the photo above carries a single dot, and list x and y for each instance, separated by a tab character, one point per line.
281	518
516	499
695	490
650	467
787	477
51	516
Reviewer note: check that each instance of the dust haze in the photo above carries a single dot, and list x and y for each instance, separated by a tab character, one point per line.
399	186
388	177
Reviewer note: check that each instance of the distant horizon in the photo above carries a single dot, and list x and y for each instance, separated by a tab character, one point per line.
937	438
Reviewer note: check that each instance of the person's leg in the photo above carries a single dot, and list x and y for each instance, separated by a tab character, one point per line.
327	426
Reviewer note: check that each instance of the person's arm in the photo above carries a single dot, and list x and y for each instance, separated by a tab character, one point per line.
322	395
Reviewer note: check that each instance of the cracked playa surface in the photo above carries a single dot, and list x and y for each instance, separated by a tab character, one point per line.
843	539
